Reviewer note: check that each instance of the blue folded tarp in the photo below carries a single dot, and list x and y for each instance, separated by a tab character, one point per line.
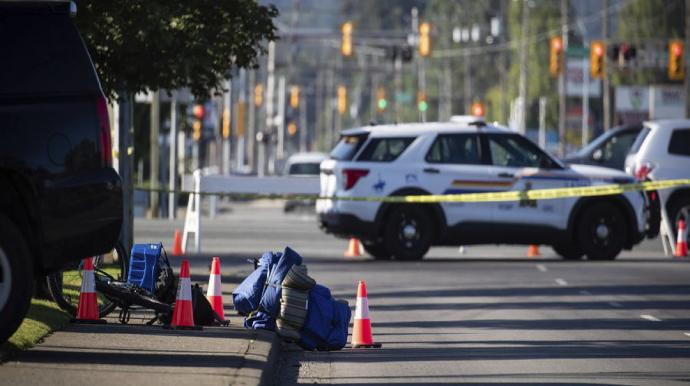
258	296
327	321
247	295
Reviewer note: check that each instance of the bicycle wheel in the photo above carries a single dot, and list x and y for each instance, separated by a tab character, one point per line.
65	285
131	294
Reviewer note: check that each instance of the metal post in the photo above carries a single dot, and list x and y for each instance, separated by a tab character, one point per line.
251	123
281	118
605	84
172	196
303	124
123	121
686	82
522	125
562	80
154	156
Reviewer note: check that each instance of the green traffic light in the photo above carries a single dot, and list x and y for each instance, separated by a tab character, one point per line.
382	104
423	106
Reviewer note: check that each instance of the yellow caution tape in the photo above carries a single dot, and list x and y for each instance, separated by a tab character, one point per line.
537	194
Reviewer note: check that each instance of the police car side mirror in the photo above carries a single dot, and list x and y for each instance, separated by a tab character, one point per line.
598	155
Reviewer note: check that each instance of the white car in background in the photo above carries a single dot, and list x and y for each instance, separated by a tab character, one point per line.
662	152
302	165
469	157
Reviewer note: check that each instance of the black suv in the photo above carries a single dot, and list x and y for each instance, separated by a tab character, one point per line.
60	198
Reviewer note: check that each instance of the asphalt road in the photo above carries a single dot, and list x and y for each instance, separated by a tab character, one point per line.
486	316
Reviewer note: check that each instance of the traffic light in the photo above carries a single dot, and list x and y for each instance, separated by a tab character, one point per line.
381	99
556	57
292	128
424	39
342	99
477	109
421	101
198	111
258	94
676	65
294	97
347	47
597	59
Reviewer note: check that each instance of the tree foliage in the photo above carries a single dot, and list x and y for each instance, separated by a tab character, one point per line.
140	45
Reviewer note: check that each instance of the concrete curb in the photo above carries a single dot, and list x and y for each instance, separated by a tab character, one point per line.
260	359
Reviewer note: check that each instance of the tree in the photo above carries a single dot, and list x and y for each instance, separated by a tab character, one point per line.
140	45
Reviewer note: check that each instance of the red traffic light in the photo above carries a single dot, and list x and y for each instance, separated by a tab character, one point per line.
557	44
598	49
198	111
676	49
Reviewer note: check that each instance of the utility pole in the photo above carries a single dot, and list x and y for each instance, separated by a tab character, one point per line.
605	84
503	67
421	70
270	121
687	45
562	80
522	124
154	152
251	122
172	196
123	112
447	77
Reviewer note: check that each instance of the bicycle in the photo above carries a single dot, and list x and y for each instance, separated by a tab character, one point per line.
64	286
125	295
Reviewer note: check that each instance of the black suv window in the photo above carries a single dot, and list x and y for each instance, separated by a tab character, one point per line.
348	146
680	142
455	149
385	149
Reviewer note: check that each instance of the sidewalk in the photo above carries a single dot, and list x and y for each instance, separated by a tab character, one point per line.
137	354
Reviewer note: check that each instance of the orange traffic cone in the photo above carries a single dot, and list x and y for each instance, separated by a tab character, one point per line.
533	251
681	243
183	314
87	310
353	249
177	246
214	293
361	331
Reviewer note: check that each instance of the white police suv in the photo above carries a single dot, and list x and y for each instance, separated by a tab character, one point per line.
469	157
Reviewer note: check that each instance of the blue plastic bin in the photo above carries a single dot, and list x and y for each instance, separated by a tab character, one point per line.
143	262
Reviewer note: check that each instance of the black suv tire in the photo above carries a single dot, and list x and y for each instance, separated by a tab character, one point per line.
16	278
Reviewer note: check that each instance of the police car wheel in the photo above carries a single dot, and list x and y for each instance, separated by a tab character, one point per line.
408	232
377	250
601	231
568	251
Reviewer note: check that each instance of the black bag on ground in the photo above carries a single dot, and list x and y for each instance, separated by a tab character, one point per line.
204	315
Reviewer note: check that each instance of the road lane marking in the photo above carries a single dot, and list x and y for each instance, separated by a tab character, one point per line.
616	304
541	267
687	333
651	318
561	282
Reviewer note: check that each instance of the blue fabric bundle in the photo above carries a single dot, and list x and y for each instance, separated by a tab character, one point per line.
247	295
259	295
327	321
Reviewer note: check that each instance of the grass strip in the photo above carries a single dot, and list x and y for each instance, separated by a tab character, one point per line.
43	318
